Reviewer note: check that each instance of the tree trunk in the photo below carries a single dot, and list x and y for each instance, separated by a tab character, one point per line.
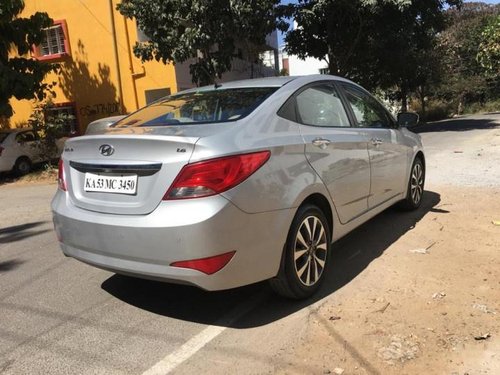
404	102
460	105
404	98
421	92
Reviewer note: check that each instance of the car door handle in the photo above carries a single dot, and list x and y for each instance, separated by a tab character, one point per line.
376	141
321	142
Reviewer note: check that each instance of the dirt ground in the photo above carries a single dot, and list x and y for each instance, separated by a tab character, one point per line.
423	306
426	299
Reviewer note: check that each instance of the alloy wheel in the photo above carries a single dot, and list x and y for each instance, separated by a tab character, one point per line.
310	251
417	183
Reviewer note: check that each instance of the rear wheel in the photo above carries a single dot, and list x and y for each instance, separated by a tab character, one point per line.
305	255
415	190
22	166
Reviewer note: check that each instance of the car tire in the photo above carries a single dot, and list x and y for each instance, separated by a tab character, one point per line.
305	255
22	166
415	189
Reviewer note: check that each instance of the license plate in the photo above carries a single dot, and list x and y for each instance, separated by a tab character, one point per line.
110	184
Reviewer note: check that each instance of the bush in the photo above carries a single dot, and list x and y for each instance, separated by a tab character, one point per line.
435	110
489	106
50	129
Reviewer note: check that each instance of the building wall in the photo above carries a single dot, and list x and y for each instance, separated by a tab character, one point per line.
89	76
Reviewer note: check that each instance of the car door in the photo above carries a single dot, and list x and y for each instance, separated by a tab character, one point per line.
387	151
336	150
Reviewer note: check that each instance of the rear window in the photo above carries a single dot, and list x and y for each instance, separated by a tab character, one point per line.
214	106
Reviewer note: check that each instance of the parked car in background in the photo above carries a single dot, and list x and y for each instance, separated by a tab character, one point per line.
227	185
20	149
100	126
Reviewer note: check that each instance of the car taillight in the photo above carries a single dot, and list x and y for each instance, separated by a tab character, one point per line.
215	176
61	178
209	265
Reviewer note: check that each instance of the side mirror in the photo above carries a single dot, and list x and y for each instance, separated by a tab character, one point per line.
407	119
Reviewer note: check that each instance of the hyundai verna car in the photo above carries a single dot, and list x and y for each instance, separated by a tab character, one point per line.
228	185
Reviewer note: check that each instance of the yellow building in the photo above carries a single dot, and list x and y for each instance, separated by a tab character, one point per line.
100	76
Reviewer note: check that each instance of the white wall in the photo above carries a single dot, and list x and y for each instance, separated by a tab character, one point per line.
240	70
298	67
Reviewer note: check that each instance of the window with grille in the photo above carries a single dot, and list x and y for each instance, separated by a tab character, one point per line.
63	117
55	43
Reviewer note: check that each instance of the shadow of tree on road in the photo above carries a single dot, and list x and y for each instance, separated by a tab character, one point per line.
20	232
350	257
457	125
9	265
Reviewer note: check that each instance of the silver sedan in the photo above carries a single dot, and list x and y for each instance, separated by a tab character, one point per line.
231	184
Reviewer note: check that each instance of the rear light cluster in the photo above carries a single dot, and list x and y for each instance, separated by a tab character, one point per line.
215	176
61	178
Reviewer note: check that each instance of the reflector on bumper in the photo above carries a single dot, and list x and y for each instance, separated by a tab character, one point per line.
206	265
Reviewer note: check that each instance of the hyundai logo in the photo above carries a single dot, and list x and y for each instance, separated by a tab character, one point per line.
106	150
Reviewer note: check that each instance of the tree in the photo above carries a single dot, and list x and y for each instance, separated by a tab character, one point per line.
208	31
489	48
379	43
465	77
20	76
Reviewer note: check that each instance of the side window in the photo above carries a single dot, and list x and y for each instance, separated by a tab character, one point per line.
320	105
367	111
25	137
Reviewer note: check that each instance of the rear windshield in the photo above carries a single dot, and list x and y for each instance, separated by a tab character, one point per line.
214	106
3	136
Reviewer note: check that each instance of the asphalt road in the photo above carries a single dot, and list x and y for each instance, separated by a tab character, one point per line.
59	316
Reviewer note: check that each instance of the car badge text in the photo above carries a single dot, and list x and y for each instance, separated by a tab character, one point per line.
106	150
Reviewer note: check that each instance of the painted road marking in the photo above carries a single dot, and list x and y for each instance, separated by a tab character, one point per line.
192	346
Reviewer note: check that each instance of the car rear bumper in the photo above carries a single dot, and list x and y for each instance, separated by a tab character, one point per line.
146	245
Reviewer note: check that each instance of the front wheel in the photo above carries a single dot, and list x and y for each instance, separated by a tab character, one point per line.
415	189
305	255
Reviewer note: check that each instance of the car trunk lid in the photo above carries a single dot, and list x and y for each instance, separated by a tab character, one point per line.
123	174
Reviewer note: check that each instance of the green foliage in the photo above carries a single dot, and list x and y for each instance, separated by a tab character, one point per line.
379	43
489	49
50	128
488	106
284	72
434	110
208	31
466	77
20	77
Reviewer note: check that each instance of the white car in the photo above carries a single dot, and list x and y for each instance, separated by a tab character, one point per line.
19	150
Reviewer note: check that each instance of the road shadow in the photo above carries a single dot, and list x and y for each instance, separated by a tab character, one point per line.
350	257
20	232
38	169
457	125
9	265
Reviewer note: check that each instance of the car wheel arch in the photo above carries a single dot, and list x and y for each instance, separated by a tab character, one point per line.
421	156
320	201
316	199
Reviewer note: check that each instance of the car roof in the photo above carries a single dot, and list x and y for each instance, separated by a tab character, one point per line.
264	82
15	130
